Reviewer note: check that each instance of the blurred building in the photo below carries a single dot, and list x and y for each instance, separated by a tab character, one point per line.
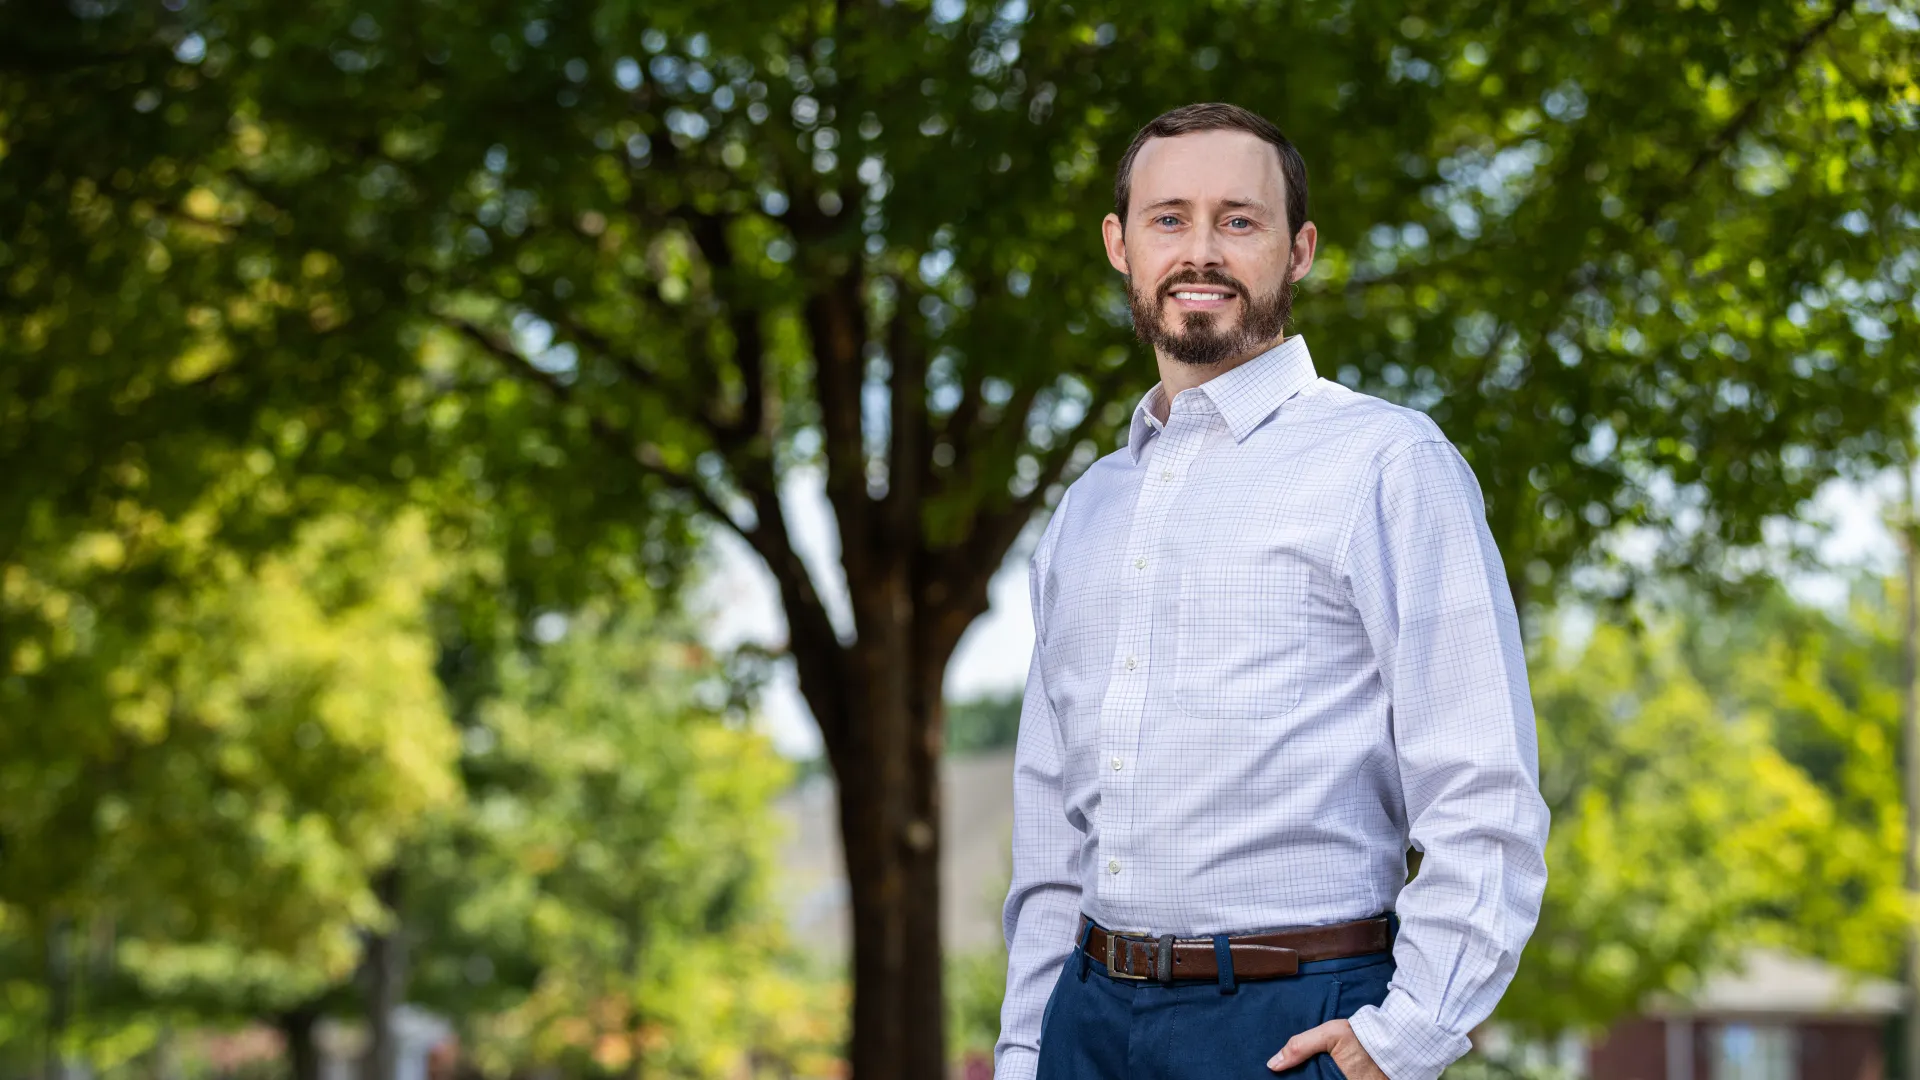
1779	1017
420	1037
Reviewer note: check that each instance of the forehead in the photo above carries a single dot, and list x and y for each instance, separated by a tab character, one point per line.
1208	167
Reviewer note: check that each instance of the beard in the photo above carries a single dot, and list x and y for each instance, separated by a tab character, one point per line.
1204	337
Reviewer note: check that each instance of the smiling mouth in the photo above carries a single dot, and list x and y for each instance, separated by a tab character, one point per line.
1201	296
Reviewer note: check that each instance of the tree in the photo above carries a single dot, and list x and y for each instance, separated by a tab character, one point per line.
604	908
1672	822
1827	688
1644	266
198	797
1717	778
221	780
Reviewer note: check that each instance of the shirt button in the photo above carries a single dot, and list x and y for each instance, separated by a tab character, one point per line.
1140	563
1113	866
1132	663
1116	764
1166	474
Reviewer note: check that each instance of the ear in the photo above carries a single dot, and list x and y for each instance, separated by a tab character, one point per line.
1304	243
1116	241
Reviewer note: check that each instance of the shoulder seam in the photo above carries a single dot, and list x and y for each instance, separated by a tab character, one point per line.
1377	469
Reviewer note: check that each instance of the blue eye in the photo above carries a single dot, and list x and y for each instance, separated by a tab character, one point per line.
1167	220
1239	223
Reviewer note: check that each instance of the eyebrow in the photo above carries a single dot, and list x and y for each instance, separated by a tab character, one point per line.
1225	204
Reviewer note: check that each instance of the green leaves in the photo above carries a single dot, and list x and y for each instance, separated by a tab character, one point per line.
1643	266
213	773
567	276
1718	780
605	899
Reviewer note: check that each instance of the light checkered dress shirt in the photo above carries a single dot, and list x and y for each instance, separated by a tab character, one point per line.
1275	647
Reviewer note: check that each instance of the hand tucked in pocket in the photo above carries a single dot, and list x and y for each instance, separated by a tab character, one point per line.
1335	1037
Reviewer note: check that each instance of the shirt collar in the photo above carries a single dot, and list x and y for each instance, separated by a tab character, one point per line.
1244	396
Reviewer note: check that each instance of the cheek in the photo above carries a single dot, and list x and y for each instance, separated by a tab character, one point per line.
1150	265
1261	271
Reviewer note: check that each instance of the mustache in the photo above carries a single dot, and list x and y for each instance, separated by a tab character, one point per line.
1202	277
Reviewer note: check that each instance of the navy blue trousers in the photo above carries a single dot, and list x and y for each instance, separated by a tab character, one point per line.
1100	1028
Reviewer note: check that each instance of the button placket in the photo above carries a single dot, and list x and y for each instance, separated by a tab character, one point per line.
1124	707
1126	697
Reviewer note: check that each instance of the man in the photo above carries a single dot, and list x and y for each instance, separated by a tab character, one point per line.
1274	648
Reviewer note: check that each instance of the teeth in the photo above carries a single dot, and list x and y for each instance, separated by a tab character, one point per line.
1199	296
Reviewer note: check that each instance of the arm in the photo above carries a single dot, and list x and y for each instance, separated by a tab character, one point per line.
1043	903
1432	591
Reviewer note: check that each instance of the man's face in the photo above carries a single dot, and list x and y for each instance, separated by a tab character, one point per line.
1208	252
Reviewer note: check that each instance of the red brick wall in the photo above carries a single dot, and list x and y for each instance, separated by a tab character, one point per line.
1633	1049
1838	1050
1636	1049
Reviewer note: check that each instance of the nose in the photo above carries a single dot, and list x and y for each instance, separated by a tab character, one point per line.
1203	248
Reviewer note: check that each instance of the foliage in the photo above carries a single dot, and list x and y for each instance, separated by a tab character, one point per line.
199	795
1826	687
1476	1066
989	722
604	265
228	746
1717	779
607	896
1612	251
1671	823
976	985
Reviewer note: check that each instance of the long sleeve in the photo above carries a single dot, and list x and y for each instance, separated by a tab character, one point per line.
1432	593
1044	900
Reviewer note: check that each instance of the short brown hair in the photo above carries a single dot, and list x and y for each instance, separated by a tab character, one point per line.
1214	116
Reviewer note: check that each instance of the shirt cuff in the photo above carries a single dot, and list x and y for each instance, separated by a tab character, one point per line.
1403	1041
1016	1063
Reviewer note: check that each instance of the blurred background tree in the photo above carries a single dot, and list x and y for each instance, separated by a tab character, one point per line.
198	798
606	904
206	815
567	276
1717	780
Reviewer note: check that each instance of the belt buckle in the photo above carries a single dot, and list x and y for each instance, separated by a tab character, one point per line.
1114	937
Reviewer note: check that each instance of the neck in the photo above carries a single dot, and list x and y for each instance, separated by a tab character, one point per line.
1177	376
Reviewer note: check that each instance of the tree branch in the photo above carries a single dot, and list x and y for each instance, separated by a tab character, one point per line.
971	454
811	639
749	355
966	568
907	449
644	454
836	327
963	417
1729	132
819	659
55	62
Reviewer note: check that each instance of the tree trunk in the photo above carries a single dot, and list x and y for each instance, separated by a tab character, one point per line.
636	1018
386	971
303	1053
889	790
59	996
1910	726
165	1055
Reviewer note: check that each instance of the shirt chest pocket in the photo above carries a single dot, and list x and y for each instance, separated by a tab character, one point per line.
1242	639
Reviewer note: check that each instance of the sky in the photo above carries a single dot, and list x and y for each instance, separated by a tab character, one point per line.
739	601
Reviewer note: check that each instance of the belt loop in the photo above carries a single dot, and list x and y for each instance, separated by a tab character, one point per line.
1223	959
1086	934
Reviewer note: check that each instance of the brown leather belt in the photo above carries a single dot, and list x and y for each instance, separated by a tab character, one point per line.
1255	956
